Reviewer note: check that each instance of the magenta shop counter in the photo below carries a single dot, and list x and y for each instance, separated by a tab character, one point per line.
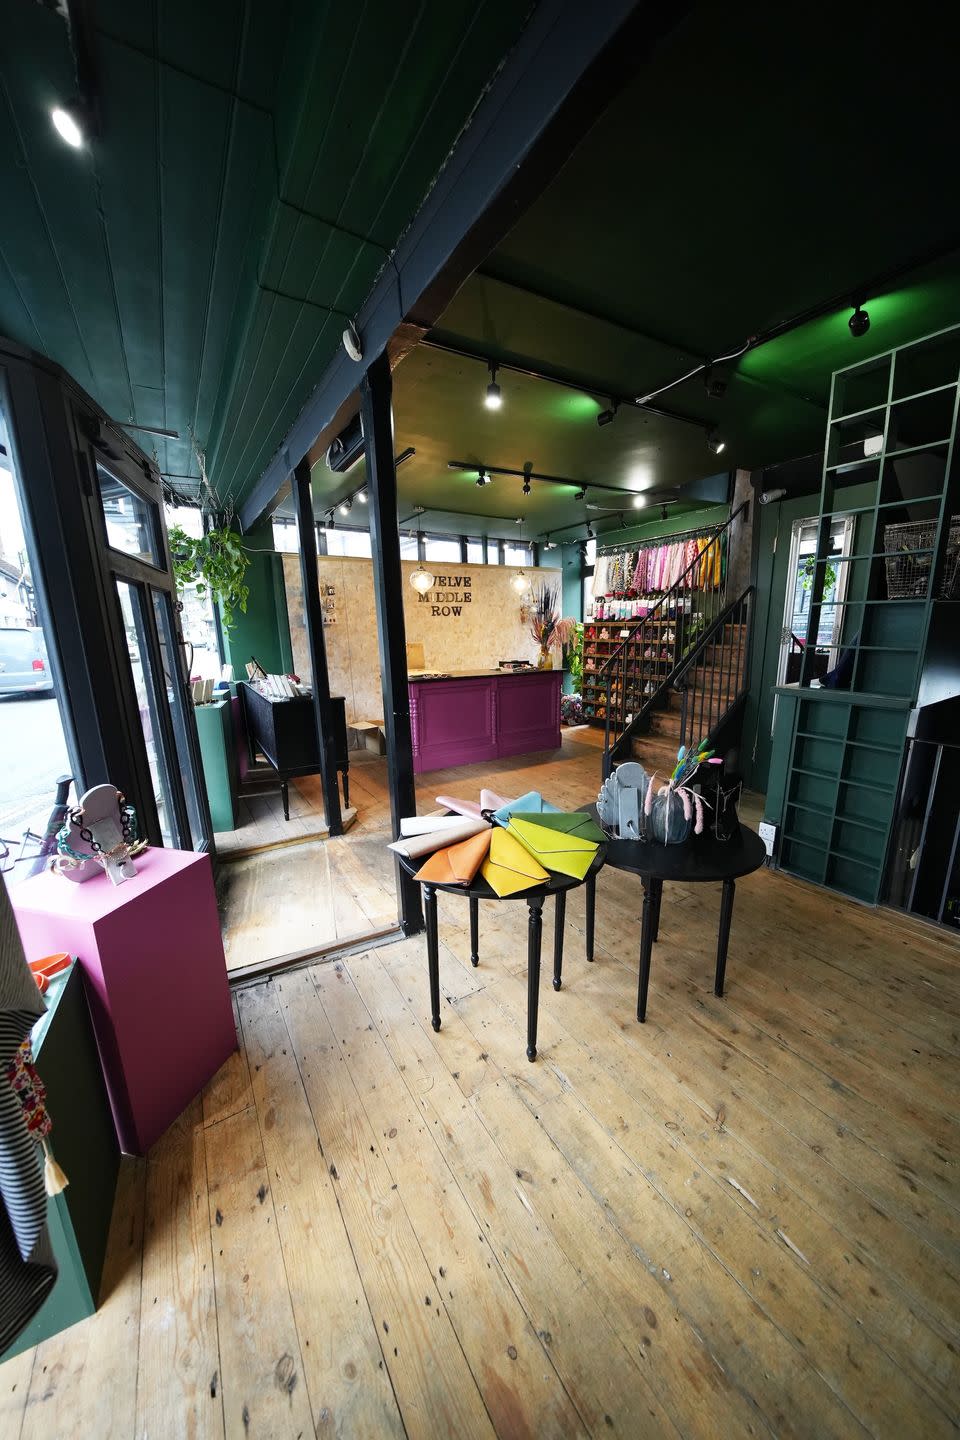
155	977
483	715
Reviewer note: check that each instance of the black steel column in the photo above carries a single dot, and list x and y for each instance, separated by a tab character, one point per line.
313	615
376	409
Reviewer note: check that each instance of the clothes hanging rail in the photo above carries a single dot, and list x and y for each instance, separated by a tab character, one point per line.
704	532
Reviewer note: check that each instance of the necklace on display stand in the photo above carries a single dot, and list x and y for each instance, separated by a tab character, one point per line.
106	827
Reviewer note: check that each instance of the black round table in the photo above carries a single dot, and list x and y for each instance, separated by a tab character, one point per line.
701	858
478	890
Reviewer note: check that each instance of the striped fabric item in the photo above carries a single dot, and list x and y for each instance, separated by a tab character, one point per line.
27	1267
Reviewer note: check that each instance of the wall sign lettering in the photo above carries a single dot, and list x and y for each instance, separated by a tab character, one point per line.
450	594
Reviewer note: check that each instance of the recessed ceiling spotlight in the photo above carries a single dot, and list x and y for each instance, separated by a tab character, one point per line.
68	123
859	321
493	399
715	443
607	417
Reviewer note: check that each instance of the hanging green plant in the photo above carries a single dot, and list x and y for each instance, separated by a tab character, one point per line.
215	564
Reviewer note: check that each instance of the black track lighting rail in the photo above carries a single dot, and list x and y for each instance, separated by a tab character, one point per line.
525	474
584	385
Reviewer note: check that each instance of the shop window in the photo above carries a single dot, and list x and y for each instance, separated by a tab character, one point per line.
476	551
130	520
197	620
408	547
514	554
341	541
33	741
443	547
286	538
800	573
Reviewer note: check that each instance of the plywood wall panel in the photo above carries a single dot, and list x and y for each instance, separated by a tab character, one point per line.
470	620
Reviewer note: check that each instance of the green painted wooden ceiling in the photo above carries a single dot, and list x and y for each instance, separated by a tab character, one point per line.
258	161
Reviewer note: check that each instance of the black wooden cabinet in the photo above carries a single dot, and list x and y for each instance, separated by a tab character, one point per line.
285	733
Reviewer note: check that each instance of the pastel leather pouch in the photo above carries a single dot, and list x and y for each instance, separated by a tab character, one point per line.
457	864
532	803
565	854
510	868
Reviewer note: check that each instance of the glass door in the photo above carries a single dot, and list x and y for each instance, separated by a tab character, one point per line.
128	524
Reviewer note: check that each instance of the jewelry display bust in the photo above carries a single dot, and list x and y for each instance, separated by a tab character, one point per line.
100	832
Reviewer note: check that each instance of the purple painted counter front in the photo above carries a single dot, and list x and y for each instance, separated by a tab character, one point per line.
464	718
155	978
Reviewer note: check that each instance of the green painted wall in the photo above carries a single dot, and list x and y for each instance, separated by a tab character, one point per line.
264	630
773	554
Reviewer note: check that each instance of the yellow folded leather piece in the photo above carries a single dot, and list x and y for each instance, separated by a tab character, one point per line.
510	868
567	854
457	864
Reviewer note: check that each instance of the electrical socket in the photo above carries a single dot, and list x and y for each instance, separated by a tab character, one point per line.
768	834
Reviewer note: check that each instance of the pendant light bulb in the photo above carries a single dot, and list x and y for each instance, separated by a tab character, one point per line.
421	580
493	399
519	582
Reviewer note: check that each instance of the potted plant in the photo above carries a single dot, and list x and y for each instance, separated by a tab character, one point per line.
546	626
215	563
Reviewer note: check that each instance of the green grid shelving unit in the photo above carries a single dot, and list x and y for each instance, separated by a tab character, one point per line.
891	432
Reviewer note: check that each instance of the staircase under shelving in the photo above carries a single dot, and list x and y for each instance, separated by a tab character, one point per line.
680	674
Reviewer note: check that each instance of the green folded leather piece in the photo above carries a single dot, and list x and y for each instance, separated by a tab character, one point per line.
572	823
567	854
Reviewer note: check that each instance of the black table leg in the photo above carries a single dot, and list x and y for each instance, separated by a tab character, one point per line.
656	911
559	916
474	932
726	915
345	775
651	889
534	937
591	912
433	954
285	797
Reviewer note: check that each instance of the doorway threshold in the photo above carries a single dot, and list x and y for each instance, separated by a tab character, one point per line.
294	959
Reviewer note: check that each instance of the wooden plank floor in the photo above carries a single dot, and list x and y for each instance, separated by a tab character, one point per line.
738	1219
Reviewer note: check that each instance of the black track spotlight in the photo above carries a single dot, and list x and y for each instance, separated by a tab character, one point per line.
715	443
590	532
493	398
663	512
859	321
482	477
581	493
607	417
714	385
527	469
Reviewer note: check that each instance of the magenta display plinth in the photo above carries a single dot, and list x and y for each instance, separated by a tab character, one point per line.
155	976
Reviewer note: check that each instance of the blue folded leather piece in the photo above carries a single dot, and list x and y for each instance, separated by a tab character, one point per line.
532	803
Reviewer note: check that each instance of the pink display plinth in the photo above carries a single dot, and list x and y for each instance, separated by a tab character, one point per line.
155	976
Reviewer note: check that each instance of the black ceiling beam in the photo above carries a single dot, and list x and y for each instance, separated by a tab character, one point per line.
568	64
583	384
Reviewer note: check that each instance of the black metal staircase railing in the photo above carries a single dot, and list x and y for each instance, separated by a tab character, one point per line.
640	673
715	676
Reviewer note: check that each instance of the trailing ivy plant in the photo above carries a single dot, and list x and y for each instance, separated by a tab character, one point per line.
216	564
575	658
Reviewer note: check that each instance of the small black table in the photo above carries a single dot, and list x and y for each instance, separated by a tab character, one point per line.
700	858
478	890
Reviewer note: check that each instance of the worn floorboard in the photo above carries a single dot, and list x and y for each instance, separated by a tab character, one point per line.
739	1219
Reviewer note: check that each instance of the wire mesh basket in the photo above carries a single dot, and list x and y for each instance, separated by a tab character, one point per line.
909	550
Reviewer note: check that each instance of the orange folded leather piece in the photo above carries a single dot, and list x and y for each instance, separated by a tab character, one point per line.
457	864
